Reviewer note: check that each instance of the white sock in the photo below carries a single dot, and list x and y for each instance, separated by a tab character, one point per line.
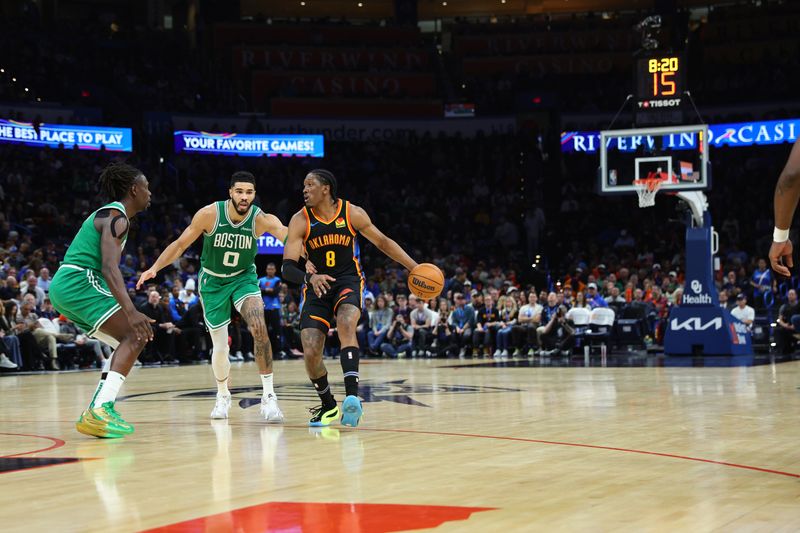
219	360
266	381
110	389
222	388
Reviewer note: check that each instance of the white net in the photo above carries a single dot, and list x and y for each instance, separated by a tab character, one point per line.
647	190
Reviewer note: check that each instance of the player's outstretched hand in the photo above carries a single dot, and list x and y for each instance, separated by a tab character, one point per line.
319	282
147	274
780	257
310	268
140	324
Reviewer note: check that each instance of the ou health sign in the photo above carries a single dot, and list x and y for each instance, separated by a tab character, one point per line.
55	135
249	145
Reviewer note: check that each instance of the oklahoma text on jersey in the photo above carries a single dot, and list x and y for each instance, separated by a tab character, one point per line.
330	239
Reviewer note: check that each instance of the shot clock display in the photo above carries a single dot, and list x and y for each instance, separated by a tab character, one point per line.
659	89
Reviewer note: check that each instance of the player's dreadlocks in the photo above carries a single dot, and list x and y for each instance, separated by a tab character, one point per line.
326	177
117	179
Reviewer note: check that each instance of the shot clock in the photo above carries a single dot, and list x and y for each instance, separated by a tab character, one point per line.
659	89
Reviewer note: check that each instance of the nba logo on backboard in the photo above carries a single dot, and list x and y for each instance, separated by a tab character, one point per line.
612	176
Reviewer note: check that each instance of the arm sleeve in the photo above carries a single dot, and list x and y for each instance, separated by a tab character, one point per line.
292	272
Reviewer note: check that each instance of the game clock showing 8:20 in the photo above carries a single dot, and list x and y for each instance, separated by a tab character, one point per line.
659	89
659	77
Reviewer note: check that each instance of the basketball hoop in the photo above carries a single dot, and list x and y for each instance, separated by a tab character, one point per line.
647	189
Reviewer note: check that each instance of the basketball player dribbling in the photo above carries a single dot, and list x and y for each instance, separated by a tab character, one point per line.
89	289
787	194
327	228
230	230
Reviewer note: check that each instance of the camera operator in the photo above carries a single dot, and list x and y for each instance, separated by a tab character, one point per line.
558	334
398	339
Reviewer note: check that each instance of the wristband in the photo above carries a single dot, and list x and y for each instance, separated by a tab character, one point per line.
780	235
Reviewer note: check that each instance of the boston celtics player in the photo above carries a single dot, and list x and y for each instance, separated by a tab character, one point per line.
326	227
230	230
88	288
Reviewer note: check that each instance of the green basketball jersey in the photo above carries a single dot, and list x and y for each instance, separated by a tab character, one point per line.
85	250
229	248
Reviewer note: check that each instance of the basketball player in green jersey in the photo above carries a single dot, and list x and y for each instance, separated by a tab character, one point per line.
230	230
327	228
787	194
88	288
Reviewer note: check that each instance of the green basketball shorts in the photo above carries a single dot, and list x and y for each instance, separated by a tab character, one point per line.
217	294
83	296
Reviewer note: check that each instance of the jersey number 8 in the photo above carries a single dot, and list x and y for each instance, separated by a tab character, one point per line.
230	259
330	258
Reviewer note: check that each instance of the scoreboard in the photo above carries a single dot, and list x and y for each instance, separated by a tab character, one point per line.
660	86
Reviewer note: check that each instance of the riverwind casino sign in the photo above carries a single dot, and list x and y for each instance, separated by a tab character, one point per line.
733	135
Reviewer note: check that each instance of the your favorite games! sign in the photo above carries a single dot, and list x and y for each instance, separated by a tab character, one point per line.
249	145
68	136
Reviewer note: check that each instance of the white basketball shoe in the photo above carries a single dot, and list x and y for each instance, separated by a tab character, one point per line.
270	410
221	407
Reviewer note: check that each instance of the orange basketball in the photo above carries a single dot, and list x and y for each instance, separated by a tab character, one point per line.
426	281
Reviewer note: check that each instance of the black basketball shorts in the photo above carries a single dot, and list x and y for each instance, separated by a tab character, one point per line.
320	313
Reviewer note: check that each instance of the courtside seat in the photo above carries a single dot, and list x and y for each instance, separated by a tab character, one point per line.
579	317
601	326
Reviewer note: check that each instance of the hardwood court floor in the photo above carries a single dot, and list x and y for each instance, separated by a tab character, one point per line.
465	448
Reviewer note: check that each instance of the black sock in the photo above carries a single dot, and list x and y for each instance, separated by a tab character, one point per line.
324	392
349	358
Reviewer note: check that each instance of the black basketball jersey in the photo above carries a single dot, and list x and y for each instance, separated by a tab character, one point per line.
331	244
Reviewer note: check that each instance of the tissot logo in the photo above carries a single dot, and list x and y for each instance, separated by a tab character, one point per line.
695	324
649	104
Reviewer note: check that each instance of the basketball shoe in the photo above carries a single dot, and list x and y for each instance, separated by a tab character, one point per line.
103	422
221	407
322	417
352	411
270	410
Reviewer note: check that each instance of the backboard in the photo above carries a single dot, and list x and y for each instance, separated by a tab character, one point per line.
677	156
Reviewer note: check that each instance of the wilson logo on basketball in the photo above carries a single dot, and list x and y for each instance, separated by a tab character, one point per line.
422	285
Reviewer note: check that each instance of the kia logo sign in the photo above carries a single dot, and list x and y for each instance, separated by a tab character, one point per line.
695	324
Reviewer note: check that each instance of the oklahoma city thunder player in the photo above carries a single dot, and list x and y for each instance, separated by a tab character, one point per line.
326	228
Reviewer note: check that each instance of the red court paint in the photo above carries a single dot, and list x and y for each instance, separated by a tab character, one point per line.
328	517
57	443
60	443
593	446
